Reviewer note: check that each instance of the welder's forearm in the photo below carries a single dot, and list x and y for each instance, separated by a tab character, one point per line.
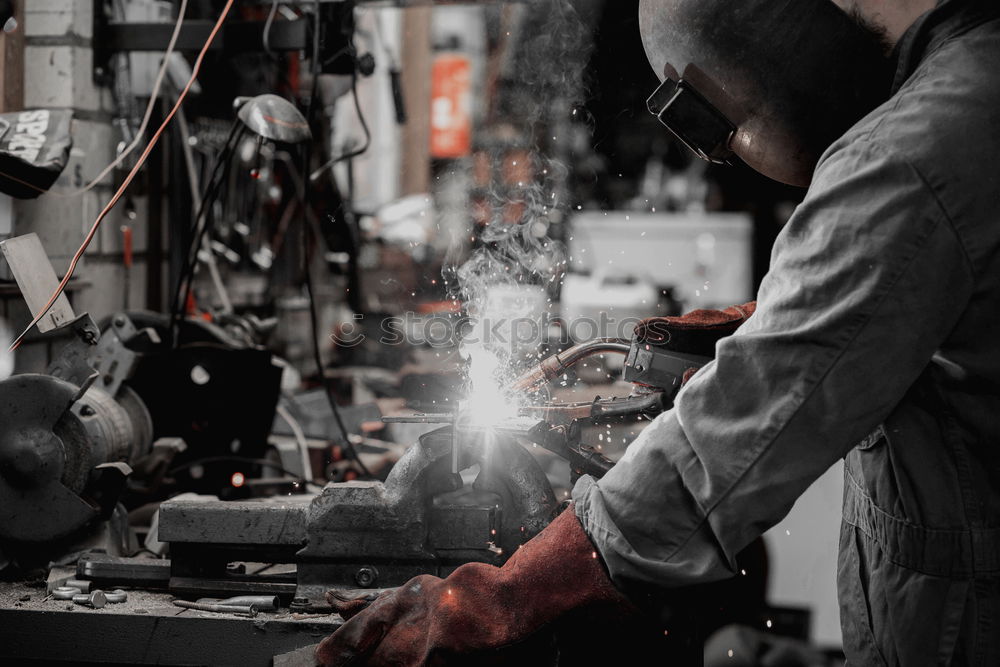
839	334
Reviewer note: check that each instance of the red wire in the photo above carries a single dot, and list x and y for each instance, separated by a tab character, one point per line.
128	179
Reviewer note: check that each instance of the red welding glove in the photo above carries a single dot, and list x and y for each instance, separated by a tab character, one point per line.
552	593
694	333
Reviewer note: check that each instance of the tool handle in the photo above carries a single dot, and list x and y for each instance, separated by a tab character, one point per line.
398	99
127	246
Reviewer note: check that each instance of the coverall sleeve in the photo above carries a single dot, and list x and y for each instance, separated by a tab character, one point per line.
867	280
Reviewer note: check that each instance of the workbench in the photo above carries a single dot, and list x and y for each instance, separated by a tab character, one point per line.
146	629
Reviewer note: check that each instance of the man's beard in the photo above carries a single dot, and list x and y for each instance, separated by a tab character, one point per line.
879	32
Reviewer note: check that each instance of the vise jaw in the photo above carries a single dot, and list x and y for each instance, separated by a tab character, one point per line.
368	535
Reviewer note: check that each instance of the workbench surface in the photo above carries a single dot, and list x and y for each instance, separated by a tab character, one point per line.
146	629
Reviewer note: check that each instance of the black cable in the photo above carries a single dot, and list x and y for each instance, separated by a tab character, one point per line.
207	200
307	273
364	125
220	172
239	459
267	29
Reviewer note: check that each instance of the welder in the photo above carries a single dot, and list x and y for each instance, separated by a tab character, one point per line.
875	339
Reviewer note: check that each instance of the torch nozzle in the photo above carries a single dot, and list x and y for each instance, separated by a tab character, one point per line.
558	364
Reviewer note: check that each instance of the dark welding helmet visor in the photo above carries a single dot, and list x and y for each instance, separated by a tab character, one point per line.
774	82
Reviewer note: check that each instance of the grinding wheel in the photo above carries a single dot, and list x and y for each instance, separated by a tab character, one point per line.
40	447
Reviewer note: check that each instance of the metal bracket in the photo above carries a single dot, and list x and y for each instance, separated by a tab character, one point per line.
110	355
37	279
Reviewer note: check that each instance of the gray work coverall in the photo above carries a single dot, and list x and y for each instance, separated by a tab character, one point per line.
878	324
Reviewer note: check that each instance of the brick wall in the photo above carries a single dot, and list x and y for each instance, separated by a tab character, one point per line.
58	74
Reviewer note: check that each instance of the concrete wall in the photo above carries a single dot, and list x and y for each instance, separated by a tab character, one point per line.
58	74
803	556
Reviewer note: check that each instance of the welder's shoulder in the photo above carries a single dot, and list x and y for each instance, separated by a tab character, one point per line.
943	125
946	117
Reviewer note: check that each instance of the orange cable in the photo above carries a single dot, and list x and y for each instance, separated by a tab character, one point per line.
128	179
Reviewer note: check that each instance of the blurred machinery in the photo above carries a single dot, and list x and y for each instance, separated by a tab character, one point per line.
67	440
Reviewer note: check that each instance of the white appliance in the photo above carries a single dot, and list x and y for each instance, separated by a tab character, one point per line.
705	257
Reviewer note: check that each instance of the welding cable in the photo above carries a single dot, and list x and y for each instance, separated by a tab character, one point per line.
199	231
154	97
307	273
558	364
128	179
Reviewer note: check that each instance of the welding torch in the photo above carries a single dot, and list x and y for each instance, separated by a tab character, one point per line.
558	364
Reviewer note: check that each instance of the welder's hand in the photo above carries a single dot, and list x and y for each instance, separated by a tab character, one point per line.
694	333
553	590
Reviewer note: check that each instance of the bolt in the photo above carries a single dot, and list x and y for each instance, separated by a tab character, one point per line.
87	411
96	600
366	577
119	321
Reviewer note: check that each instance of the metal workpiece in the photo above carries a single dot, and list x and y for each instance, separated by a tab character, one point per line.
259	602
422	418
242	610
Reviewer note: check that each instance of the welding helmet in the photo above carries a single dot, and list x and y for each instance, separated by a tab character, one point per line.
774	82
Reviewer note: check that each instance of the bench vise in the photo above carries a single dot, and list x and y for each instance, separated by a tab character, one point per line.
365	535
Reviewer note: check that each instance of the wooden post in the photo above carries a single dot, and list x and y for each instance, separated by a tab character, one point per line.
12	66
417	62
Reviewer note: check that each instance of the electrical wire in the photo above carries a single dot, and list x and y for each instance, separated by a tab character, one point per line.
154	97
313	318
300	440
219	175
267	28
240	459
318	360
128	179
313	177
188	152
